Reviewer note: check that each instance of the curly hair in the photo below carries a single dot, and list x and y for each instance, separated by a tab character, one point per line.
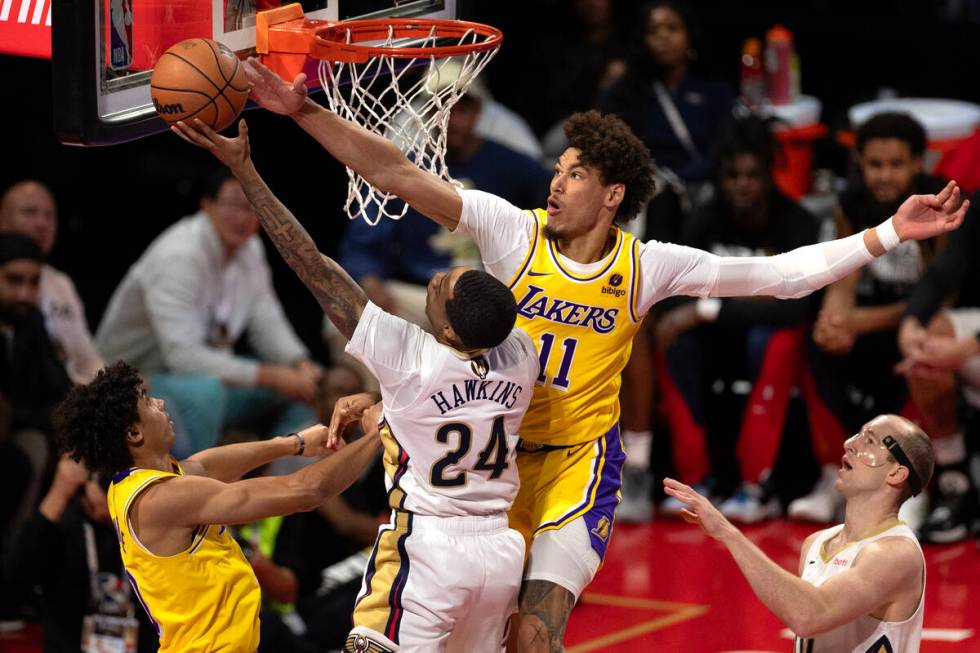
900	126
93	419
607	144
482	311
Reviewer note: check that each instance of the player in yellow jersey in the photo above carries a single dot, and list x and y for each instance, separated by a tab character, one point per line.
186	570
582	285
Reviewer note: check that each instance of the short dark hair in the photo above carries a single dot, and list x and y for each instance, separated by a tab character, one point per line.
892	124
609	145
214	182
748	135
482	311
919	450
93	419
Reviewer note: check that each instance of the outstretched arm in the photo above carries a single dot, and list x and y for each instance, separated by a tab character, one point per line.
189	500
687	271
879	573
232	461
373	157
340	297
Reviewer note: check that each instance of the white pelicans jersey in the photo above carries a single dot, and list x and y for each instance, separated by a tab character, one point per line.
450	425
865	634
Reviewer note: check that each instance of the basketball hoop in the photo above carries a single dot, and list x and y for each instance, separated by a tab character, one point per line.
413	114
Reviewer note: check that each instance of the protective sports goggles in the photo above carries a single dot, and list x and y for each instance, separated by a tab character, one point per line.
874	452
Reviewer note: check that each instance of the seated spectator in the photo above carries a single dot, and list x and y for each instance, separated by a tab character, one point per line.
395	259
579	53
677	114
32	378
854	337
942	367
722	343
181	309
28	208
69	549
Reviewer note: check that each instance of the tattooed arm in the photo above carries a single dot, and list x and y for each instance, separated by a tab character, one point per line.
339	295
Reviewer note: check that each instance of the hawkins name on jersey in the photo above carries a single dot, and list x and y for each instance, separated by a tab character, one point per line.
452	397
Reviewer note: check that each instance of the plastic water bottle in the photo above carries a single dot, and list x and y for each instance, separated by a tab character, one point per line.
753	79
779	63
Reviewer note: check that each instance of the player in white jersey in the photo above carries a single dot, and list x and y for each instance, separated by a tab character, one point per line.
579	274
446	570
862	584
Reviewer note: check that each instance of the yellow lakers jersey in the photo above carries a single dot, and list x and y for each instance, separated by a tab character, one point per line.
583	328
203	599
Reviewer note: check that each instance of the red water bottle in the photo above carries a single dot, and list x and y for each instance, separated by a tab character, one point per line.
753	79
779	59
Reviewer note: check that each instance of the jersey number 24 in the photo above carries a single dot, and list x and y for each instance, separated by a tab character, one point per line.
493	458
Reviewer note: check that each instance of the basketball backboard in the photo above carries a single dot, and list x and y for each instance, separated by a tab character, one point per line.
103	52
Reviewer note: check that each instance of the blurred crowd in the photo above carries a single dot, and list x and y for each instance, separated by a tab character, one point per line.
721	393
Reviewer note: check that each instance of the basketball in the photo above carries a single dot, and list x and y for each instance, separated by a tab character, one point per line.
199	78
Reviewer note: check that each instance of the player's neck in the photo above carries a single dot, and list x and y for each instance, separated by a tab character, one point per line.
152	460
867	515
588	247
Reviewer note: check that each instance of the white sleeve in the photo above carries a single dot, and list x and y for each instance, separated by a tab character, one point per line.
392	348
668	270
501	231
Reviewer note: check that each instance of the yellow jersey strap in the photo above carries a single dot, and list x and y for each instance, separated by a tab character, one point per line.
539	216
129	484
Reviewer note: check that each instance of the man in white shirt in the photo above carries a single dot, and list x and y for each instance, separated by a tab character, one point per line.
862	583
445	571
600	181
28	208
197	289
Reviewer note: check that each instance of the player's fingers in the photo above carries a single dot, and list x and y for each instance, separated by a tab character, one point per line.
951	203
946	192
334	425
299	84
191	135
243	129
177	131
205	129
689	516
957	218
251	67
677	484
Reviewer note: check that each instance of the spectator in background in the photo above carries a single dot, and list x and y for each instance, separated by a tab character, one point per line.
395	259
32	378
942	366
756	339
28	208
854	337
182	308
581	53
69	549
678	115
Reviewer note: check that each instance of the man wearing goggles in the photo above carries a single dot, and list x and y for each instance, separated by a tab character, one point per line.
862	583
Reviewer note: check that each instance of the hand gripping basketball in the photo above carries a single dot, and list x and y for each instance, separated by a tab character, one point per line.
272	92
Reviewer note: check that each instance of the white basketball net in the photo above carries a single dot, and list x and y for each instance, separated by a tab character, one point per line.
414	118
